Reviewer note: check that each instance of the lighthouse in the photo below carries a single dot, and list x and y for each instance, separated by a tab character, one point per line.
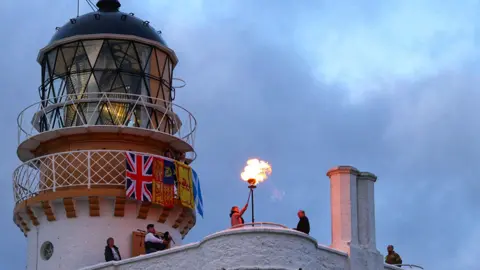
106	92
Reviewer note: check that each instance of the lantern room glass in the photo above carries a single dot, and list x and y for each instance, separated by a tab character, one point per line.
85	69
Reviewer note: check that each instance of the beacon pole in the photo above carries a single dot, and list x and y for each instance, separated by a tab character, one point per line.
252	186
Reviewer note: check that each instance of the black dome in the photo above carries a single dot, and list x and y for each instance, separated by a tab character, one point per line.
107	22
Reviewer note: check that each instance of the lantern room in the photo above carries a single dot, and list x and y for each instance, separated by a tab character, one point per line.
107	52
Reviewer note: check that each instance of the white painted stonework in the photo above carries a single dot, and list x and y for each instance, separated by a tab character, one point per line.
80	241
246	248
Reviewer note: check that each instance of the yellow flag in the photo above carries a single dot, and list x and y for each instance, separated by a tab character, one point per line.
185	184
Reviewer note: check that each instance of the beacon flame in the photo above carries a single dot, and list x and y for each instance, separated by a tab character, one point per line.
256	171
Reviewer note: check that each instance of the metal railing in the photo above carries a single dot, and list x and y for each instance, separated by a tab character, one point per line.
106	109
260	225
409	266
88	168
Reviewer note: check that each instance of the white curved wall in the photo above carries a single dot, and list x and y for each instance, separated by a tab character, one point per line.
80	241
250	248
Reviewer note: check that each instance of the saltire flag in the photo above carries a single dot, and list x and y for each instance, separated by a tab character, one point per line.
185	184
163	182
197	193
138	184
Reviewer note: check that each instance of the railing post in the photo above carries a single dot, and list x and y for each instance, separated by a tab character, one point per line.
19	129
15	193
88	169
54	174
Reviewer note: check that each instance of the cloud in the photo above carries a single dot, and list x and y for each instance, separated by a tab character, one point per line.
390	88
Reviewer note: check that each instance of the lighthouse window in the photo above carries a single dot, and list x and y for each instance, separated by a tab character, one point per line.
46	250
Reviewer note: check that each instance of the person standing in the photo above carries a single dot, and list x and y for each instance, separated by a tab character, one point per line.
392	257
303	224
236	215
182	158
111	251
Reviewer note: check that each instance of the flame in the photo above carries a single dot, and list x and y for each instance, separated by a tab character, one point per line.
256	169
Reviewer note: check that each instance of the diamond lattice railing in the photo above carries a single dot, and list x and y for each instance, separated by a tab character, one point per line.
107	65
107	109
69	169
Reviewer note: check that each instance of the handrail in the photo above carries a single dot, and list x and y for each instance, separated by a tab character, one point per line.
84	168
409	265
259	224
136	111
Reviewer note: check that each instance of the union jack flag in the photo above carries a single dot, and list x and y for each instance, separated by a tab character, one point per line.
139	177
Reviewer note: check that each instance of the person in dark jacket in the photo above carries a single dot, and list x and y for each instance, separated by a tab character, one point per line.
303	224
111	251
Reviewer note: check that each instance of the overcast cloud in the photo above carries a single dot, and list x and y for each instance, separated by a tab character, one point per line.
387	87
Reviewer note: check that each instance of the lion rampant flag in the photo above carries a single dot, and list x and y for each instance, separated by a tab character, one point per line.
185	185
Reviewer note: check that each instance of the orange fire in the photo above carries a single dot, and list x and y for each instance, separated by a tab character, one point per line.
256	171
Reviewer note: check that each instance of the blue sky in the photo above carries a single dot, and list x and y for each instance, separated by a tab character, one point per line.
386	86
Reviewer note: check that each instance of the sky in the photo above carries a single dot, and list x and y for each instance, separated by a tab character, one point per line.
389	87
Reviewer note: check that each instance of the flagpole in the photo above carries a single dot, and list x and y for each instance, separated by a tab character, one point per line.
252	187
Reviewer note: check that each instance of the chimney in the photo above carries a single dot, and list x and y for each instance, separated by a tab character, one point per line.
353	217
366	210
352	208
343	203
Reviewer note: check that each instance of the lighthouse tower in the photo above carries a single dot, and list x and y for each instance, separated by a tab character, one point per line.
106	90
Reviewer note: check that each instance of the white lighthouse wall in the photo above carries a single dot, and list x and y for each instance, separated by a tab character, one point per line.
249	248
80	241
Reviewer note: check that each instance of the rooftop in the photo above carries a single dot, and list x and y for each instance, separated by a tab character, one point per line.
265	246
108	20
